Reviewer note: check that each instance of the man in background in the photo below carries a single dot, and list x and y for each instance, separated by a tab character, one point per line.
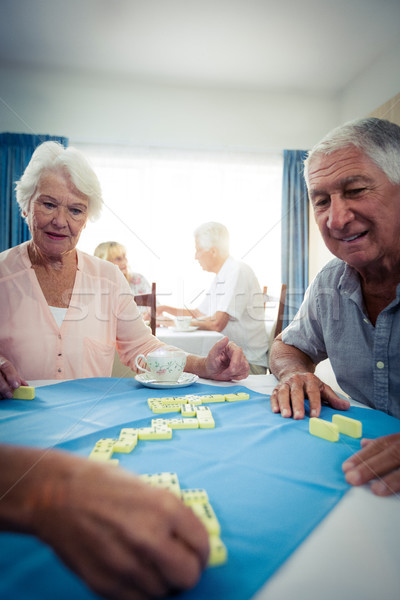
234	304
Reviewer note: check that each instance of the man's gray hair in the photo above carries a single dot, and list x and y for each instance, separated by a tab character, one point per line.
379	139
52	156
213	234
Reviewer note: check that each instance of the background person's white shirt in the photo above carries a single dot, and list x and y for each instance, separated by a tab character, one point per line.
236	291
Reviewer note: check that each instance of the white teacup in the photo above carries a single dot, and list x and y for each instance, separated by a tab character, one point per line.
164	363
183	323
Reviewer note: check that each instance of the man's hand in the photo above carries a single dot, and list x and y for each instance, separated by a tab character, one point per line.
9	378
226	361
289	395
377	461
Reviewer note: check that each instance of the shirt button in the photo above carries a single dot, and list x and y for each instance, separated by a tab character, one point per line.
366	321
59	370
380	364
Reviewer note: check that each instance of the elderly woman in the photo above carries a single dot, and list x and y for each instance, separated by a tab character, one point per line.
64	312
116	253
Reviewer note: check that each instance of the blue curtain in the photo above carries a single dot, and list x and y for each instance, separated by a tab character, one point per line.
16	150
295	231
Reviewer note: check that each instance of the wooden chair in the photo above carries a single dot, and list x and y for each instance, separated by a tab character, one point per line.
265	295
281	310
278	324
150	301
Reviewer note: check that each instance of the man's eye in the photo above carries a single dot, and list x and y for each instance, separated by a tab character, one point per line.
321	203
354	191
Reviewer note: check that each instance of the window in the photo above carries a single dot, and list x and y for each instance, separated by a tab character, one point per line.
154	200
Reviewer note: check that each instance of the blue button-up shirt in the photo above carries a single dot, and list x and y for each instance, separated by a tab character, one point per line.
332	323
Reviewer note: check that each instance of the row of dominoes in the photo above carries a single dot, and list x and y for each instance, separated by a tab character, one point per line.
192	416
160	429
198	501
186	404
330	431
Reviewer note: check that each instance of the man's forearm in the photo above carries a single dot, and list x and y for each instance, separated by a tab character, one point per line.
285	360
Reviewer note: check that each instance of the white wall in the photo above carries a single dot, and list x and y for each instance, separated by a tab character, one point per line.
96	109
375	86
371	89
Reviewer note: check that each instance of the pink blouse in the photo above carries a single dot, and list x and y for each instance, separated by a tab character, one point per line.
102	316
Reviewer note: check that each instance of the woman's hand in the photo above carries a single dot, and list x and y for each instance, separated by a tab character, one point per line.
9	378
226	361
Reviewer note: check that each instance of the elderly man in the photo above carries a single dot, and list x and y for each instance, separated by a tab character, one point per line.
351	312
234	303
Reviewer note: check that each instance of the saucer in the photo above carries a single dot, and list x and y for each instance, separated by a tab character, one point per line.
184	380
191	328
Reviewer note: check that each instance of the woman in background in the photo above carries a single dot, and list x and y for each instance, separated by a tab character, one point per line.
116	253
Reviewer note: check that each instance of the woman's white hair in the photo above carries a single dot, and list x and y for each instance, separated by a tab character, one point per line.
52	156
379	139
211	235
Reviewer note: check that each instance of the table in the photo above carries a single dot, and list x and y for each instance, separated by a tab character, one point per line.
352	553
197	342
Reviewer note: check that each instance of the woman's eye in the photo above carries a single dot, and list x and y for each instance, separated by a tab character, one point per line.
48	205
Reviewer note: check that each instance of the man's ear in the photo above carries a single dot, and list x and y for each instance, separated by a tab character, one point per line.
214	251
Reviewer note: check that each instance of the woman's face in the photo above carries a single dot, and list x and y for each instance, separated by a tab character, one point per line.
57	214
121	261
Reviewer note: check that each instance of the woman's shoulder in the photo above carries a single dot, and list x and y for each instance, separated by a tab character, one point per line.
14	259
97	267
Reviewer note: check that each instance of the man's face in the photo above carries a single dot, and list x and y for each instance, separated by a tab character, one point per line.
357	209
206	258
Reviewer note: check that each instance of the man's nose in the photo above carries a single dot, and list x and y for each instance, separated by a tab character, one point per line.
339	213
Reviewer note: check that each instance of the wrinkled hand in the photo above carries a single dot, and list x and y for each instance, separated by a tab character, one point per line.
377	461
9	378
127	540
226	361
288	396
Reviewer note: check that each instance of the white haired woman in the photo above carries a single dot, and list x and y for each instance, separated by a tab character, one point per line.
65	312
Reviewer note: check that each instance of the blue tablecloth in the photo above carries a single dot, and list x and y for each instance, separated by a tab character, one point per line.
269	481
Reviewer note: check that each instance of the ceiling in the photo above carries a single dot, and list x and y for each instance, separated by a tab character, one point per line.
258	45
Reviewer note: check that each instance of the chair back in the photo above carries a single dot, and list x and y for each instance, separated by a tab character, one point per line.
274	325
150	301
265	295
281	310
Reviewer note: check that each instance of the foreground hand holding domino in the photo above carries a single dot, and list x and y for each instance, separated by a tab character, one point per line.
125	539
